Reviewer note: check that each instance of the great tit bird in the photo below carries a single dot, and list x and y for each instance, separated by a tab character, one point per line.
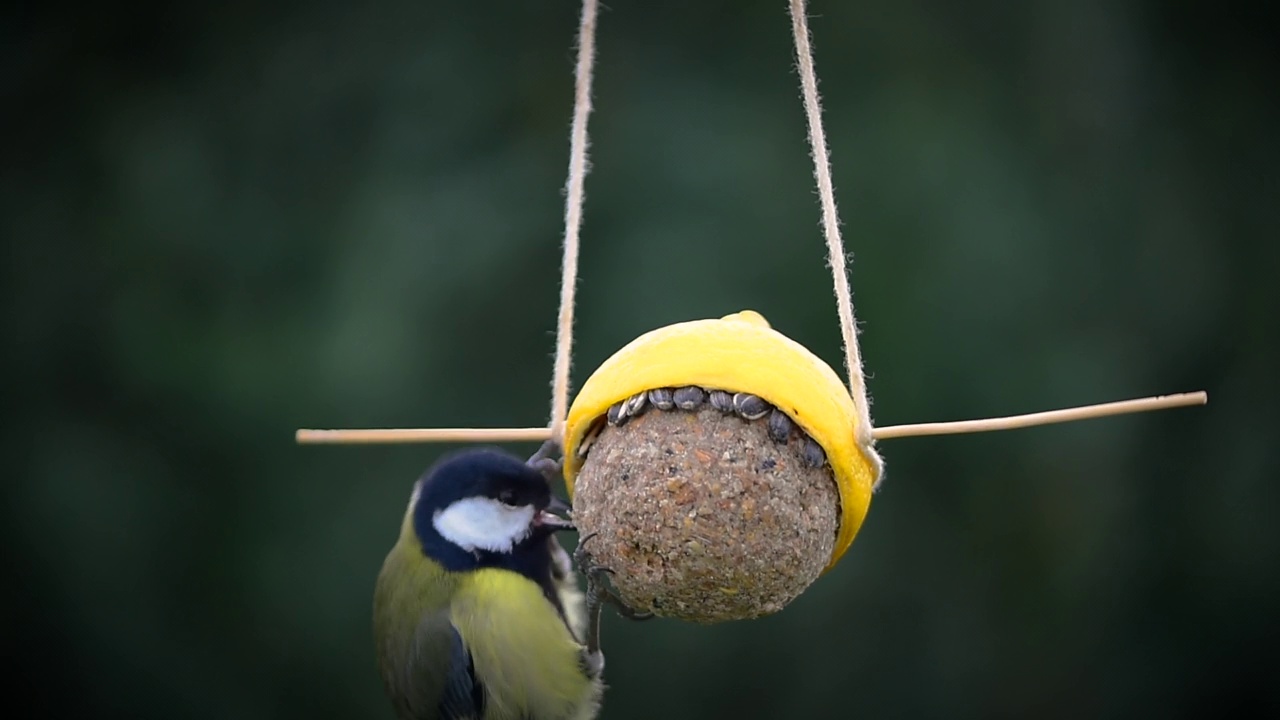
477	613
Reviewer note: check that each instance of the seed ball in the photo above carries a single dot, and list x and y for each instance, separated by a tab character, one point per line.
702	516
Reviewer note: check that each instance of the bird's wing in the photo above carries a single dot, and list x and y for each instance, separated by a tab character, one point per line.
435	680
463	697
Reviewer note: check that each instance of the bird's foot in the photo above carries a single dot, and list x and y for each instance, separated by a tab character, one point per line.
600	590
599	584
544	460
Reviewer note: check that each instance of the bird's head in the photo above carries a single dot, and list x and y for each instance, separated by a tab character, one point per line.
483	501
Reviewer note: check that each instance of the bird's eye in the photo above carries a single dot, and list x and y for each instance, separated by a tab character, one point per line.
507	497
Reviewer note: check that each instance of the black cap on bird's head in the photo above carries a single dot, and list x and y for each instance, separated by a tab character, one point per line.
483	501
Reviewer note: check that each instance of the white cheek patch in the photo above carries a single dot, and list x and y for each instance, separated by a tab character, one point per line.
484	524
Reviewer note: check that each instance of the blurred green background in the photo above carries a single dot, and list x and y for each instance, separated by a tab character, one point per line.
224	221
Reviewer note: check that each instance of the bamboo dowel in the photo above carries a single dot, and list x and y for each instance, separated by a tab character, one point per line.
421	435
1050	417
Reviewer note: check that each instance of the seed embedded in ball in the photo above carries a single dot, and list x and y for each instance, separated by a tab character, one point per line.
705	516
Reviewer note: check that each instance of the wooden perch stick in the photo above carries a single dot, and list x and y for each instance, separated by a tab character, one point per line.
421	435
1050	417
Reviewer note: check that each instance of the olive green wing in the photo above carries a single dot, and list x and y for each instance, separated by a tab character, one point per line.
425	665
432	676
463	697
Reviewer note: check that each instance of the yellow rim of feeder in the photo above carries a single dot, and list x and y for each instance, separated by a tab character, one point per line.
737	353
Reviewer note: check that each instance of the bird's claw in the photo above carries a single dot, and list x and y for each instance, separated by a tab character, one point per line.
544	460
600	588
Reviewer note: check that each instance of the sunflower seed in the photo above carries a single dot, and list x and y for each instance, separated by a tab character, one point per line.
689	397
779	426
636	404
722	401
751	407
812	454
590	439
661	398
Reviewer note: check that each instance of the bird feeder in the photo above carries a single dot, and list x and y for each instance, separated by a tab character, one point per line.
714	469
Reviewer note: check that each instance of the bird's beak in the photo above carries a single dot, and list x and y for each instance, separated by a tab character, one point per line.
555	516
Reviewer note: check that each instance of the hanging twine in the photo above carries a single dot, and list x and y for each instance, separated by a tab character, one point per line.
573	218
836	257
